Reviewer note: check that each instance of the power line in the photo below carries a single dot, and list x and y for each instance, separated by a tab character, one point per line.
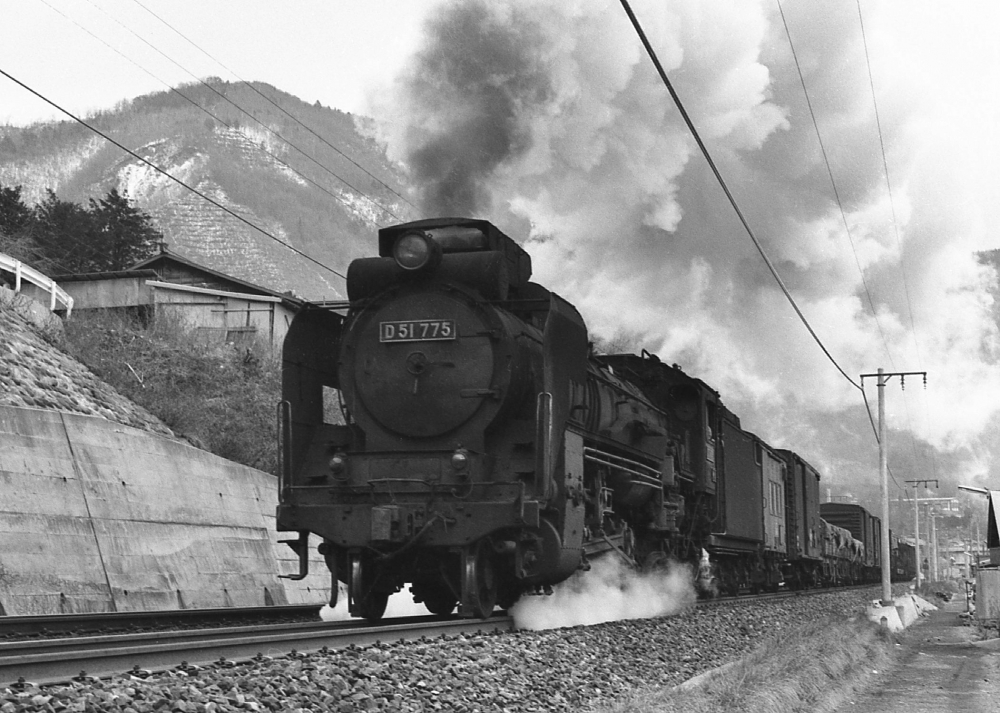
264	126
280	108
847	228
878	440
833	183
888	185
718	176
895	222
663	76
198	106
169	175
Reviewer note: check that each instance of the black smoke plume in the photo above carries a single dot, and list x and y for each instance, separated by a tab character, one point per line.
469	91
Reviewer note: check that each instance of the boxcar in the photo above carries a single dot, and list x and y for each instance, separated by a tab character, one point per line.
804	530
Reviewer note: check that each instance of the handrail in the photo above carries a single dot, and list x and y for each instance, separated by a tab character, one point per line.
26	272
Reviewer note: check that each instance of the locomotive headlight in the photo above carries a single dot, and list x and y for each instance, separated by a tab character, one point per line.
416	251
460	459
338	463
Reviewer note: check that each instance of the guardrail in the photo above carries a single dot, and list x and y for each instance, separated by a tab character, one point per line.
24	272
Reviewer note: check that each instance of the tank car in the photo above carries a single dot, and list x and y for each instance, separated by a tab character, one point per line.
483	451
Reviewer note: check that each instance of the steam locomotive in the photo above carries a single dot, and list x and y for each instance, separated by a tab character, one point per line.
455	432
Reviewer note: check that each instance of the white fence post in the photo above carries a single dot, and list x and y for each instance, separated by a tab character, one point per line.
26	272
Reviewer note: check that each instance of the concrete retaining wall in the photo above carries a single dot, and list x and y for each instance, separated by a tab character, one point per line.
99	516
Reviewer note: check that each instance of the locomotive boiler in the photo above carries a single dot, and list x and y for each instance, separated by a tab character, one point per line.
480	450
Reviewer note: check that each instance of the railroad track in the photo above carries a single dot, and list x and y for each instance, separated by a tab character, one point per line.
54	625
59	659
56	660
782	594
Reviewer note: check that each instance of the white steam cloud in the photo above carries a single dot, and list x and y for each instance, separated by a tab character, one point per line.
547	118
610	591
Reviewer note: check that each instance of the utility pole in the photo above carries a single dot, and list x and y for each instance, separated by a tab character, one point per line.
916	533
934	551
933	515
883	468
916	518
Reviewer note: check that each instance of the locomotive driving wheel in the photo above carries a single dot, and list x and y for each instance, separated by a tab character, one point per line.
438	597
440	603
364	600
479	583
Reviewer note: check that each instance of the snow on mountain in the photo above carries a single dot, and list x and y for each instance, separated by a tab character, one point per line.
279	185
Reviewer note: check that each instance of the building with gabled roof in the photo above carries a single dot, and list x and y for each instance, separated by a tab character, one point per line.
224	308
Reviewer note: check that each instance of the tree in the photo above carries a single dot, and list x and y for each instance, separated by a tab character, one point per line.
59	237
15	216
123	234
63	234
16	226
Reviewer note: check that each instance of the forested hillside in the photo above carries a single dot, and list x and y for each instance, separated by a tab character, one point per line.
304	174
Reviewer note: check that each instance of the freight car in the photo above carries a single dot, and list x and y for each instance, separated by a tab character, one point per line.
904	559
484	451
804	566
864	527
843	556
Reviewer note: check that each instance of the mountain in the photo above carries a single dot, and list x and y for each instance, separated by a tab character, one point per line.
289	167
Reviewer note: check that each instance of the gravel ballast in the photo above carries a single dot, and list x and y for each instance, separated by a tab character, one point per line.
552	670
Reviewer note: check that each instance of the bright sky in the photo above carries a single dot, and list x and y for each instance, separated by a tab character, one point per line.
332	51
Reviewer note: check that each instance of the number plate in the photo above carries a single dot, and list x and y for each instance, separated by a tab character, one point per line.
417	330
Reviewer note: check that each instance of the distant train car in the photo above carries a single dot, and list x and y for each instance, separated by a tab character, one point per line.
843	556
804	567
904	559
864	527
874	563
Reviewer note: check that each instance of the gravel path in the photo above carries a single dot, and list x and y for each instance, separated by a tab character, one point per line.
555	670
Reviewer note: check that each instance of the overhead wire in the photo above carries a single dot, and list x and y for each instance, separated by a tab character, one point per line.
729	195
206	110
847	228
895	222
170	176
833	182
888	185
263	126
718	175
280	108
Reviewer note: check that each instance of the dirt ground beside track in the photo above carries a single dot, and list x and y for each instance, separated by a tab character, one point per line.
942	669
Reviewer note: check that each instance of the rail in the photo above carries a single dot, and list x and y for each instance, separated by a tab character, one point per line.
24	272
47	661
